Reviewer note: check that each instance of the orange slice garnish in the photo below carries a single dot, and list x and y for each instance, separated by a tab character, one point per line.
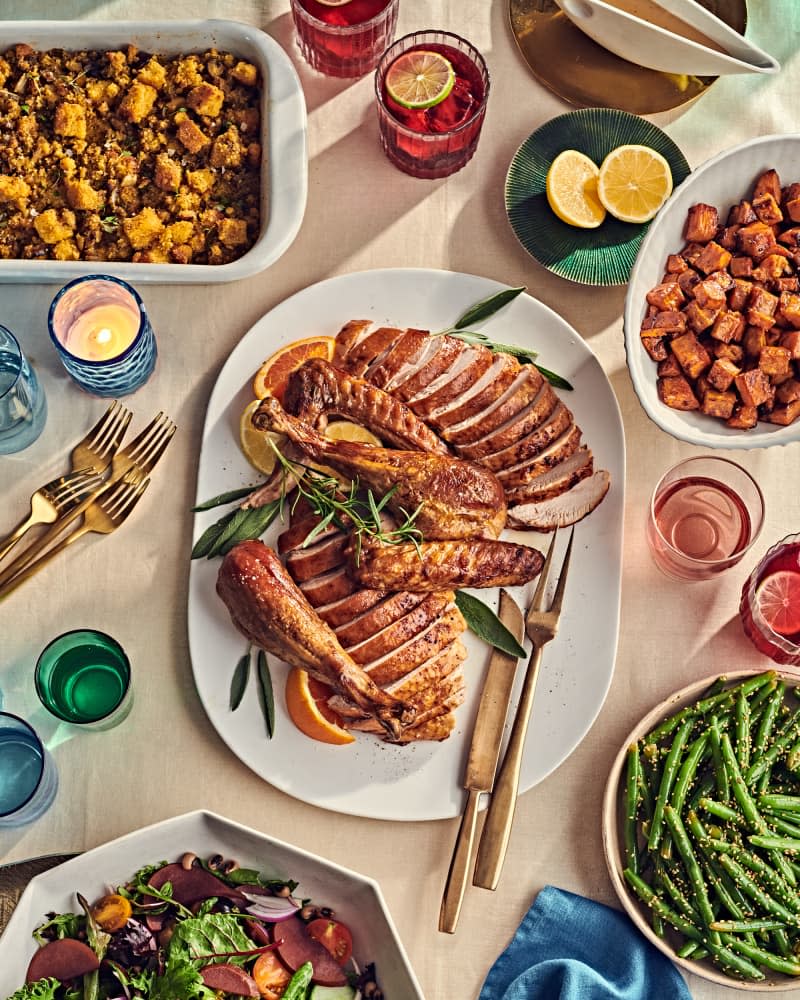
273	375
306	702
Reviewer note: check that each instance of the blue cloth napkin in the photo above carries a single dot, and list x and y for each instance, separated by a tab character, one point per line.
571	948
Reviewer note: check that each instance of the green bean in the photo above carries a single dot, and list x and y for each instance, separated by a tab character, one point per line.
741	926
721	811
782	825
669	725
767	721
793	756
782	943
730	960
705	787
763	695
664	910
693	871
748	687
693	950
720	772
685	777
767	958
678	897
774	843
667	780
743	737
785	803
769	875
756	893
632	800
657	923
780	744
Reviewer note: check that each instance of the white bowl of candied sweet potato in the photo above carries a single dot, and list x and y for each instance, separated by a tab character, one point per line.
712	314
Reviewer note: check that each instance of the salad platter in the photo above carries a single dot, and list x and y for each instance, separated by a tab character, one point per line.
416	782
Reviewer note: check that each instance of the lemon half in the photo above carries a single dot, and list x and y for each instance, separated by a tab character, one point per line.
571	189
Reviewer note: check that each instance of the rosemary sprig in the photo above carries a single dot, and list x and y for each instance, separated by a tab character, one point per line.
347	508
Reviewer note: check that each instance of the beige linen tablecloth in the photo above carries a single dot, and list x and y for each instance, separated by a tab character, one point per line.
167	759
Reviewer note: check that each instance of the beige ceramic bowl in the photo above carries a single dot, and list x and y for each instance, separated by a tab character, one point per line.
615	852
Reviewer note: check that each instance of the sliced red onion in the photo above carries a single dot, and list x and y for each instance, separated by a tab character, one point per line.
271	908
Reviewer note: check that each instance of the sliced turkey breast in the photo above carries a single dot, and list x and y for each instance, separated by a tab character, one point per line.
400	631
568	508
368	623
446	351
480	397
350	334
409	353
523	390
557	480
530	445
371	349
560	449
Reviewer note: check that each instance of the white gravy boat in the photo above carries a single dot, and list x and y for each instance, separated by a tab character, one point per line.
647	44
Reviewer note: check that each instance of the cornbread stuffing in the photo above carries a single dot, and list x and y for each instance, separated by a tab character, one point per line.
128	156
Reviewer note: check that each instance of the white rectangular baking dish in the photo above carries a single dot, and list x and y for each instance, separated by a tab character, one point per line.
284	169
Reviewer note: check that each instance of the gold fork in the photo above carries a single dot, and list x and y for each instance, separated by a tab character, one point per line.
541	625
88	459
105	515
140	455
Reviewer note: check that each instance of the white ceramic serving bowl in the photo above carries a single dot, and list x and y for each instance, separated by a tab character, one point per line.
284	165
356	899
613	815
722	181
647	44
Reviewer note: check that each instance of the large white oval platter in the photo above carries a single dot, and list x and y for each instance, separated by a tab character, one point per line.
419	782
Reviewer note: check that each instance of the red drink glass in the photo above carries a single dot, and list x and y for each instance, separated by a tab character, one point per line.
436	141
344	40
782	646
705	513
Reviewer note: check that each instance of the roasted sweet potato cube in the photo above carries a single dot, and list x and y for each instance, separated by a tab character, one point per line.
718	404
790	237
789	305
666	296
785	415
669	323
787	392
675	391
774	265
791	341
761	306
669	366
754	340
768	183
702	223
722	373
723	279
676	264
739	295
754	387
774	360
741	214
699	319
741	267
790	200
693	358
755	240
655	347
687	280
743	418
726	237
733	352
709	294
713	258
728	326
768	209
780	285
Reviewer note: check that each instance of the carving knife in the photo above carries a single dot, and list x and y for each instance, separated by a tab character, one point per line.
482	762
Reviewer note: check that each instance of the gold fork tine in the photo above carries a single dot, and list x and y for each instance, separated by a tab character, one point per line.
101	442
541	626
142	453
103	516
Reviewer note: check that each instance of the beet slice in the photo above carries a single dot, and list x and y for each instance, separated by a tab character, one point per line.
62	960
193	885
229	979
258	932
295	947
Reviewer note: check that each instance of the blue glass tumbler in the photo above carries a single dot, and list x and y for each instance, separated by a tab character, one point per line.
28	777
100	329
23	406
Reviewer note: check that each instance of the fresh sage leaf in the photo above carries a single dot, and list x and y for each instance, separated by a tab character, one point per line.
486	625
206	542
241	675
253	525
266	694
487	307
228	497
471	337
558	381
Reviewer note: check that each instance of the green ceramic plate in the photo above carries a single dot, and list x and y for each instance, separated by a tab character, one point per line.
602	256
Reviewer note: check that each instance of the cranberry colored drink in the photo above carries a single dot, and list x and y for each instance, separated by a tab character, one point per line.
770	605
344	40
436	141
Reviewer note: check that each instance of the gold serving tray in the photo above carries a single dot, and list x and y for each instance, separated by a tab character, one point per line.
586	75
15	877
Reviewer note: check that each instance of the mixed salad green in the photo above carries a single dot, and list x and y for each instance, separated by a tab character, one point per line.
196	930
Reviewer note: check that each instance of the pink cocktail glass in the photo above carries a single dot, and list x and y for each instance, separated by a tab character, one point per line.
782	648
437	141
345	40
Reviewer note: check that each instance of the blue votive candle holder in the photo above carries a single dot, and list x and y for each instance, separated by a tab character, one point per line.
99	327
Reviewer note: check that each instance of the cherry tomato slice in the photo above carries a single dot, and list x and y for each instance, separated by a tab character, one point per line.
334	936
271	975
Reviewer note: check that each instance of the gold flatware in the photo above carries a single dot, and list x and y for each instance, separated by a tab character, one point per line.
137	458
107	513
482	761
541	626
88	461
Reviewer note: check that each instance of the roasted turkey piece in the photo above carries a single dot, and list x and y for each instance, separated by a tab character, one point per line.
458	498
434	566
269	610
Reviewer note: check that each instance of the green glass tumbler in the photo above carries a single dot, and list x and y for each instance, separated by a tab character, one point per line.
84	677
